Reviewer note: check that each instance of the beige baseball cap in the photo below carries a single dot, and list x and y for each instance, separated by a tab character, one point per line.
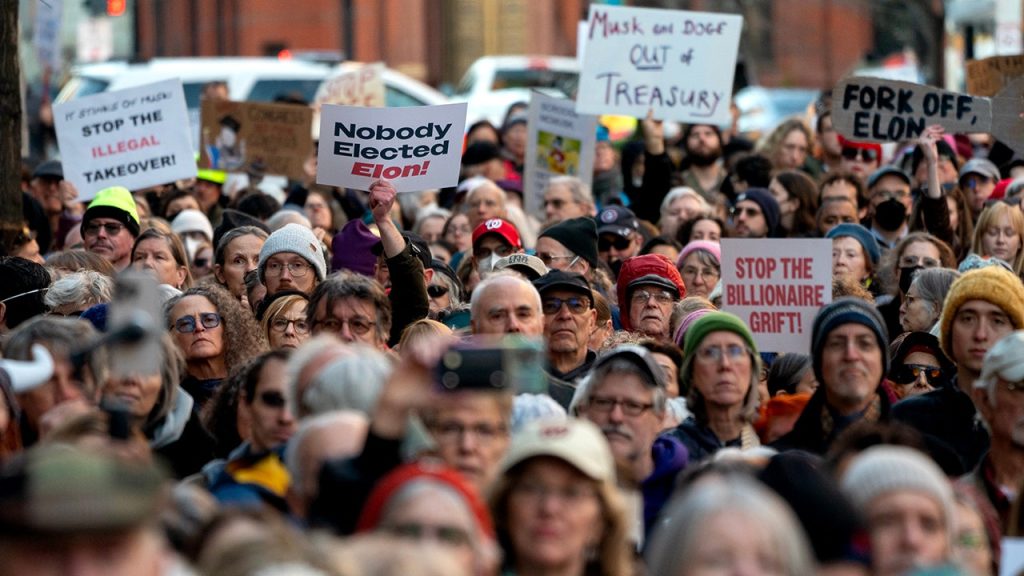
577	442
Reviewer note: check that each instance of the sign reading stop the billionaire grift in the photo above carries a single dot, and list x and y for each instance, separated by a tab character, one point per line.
777	287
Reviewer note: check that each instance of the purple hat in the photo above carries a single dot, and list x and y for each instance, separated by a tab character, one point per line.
713	248
687	322
353	249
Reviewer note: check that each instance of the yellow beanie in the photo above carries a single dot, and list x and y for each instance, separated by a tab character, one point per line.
993	284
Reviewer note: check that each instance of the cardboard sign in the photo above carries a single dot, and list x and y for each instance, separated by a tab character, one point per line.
875	110
417	148
987	77
134	138
679	63
559	142
776	287
362	86
235	135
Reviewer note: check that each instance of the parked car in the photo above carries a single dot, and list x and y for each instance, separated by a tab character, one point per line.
493	83
762	109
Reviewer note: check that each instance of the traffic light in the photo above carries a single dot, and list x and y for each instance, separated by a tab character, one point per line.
116	7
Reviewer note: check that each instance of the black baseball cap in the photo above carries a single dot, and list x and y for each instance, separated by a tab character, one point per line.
563	280
49	169
617	220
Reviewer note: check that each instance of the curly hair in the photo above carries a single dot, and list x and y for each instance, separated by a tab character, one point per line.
772	143
243	338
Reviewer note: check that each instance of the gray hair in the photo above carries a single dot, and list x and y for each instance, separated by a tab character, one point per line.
486	183
619	367
79	290
504	277
683	523
63	337
303	355
578	189
695	400
933	284
295	450
427	213
353	382
286	216
683	192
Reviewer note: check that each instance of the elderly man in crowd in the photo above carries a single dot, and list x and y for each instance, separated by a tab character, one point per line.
569	319
648	288
352	307
567	197
570	245
110	225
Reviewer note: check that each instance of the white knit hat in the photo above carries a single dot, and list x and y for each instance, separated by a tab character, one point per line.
297	239
885	468
192	221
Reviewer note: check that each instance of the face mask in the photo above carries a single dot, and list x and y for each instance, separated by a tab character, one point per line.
638	181
487	265
907	276
890	215
191	247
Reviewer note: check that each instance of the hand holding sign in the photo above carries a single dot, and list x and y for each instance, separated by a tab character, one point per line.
382	198
876	110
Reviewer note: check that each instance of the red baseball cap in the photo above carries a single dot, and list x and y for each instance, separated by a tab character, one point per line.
500	227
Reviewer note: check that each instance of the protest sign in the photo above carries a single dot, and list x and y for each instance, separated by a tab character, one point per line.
417	147
134	138
559	142
1012	561
776	287
360	86
236	135
875	110
680	64
986	77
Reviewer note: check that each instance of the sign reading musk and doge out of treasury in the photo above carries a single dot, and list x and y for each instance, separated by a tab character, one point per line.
416	148
678	63
135	138
776	287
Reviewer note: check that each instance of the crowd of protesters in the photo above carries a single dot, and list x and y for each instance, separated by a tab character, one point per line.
311	412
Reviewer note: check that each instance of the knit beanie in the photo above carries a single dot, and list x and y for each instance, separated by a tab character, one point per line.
353	248
992	284
848	310
769	206
192	221
860	234
117	203
715	322
297	239
578	235
884	468
713	248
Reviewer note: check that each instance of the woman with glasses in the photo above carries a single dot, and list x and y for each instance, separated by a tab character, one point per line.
214	333
720	378
556	507
917	251
700	266
282	317
922	305
163	255
918	365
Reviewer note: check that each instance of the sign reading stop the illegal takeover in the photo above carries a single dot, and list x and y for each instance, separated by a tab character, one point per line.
136	138
877	110
416	148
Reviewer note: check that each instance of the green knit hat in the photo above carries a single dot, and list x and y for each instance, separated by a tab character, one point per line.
115	202
716	322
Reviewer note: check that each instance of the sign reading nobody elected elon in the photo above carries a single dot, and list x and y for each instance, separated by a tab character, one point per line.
680	64
877	110
135	138
416	148
776	287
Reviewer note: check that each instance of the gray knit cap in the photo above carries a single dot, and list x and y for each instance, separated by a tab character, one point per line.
297	239
848	310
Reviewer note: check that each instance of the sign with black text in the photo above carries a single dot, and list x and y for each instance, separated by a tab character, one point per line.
559	142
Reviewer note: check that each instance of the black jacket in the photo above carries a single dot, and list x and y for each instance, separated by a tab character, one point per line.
808	433
408	293
950	424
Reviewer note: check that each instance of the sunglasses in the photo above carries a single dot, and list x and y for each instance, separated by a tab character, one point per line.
436	290
606	243
865	154
907	373
187	324
576	305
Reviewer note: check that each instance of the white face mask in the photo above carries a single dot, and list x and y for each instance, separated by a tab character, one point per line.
191	246
487	265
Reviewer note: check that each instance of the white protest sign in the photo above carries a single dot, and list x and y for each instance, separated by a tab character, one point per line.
46	34
679	63
134	138
362	86
1012	561
876	110
559	142
776	287
417	148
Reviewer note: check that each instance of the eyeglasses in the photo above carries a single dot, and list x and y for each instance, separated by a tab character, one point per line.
576	304
296	269
547	259
485	253
606	243
281	324
907	373
748	211
912	261
660	297
713	354
865	154
36	291
448	535
452	432
111	228
187	324
357	326
629	407
273	399
457	230
693	272
436	290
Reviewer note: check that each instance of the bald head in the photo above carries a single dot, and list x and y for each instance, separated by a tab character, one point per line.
506	303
